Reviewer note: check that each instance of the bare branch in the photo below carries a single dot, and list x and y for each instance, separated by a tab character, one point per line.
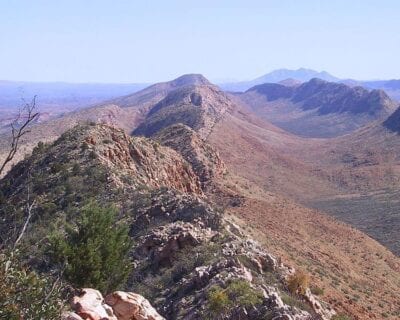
19	127
29	207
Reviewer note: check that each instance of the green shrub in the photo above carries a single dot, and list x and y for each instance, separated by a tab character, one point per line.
238	293
95	251
243	294
218	301
26	295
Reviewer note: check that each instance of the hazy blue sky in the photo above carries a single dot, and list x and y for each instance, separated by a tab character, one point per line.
147	41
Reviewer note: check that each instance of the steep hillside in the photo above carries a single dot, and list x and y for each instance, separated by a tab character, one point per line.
261	161
92	161
318	108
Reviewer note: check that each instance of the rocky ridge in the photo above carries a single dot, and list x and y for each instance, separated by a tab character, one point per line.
179	263
199	107
205	159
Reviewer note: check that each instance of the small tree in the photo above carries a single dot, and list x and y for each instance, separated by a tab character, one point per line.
95	251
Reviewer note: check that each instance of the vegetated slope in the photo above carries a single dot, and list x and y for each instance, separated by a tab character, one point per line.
318	108
301	75
184	251
90	159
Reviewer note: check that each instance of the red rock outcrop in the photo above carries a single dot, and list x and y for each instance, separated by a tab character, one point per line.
145	161
90	305
131	306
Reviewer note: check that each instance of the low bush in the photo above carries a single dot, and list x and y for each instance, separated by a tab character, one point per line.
238	293
298	282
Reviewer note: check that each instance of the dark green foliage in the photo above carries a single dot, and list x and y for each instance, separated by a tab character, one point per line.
95	251
26	295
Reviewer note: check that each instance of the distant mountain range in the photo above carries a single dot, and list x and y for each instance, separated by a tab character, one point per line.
279	75
292	77
318	108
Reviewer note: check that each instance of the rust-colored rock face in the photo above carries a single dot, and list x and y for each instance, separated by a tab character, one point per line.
205	159
145	161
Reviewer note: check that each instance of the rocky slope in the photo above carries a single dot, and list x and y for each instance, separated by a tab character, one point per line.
205	160
184	252
96	161
318	108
